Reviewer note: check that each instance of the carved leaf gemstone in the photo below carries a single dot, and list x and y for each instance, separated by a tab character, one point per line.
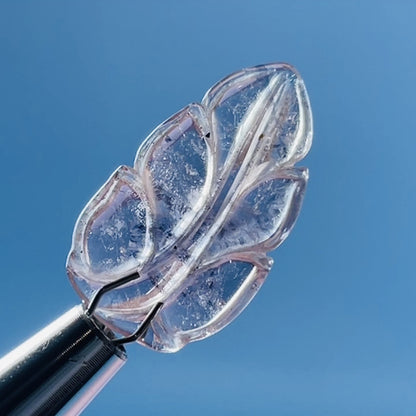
213	189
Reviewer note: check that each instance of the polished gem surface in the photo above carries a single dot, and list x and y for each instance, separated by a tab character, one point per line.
213	189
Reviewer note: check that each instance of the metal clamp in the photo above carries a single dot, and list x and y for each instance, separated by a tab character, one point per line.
141	330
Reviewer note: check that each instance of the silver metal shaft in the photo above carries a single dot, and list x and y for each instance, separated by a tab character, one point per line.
60	369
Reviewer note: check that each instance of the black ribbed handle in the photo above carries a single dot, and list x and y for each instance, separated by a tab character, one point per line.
69	359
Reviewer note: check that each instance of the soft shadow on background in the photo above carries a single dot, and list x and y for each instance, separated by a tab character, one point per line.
332	331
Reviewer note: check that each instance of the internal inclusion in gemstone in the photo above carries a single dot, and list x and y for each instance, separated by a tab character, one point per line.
213	189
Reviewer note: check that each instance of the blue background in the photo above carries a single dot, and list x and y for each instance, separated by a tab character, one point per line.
332	332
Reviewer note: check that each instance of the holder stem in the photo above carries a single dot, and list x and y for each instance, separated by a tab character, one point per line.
45	374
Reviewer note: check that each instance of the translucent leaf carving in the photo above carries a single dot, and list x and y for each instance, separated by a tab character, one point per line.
213	189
